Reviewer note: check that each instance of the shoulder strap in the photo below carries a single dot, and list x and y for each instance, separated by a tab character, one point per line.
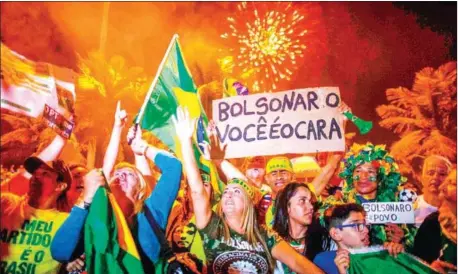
166	250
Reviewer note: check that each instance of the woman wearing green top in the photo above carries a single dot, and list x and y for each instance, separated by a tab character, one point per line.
233	243
296	222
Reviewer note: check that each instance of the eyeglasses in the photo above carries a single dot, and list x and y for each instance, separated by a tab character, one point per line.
359	226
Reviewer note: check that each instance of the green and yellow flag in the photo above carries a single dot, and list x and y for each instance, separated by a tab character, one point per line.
173	87
108	241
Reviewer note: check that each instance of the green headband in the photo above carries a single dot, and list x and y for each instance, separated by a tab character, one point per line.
244	185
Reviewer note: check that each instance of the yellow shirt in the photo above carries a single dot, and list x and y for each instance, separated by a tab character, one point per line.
27	247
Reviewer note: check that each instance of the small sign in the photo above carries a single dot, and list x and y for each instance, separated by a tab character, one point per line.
393	212
58	122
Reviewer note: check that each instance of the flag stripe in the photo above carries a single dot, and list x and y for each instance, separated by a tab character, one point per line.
126	241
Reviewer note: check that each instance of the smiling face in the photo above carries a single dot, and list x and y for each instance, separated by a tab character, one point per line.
233	200
300	207
434	173
365	180
278	179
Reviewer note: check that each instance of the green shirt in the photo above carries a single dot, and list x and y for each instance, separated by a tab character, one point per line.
236	255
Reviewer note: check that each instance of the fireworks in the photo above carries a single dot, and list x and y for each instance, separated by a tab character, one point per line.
269	42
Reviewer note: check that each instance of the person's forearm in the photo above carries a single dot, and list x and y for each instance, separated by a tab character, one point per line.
303	265
230	171
53	150
111	153
191	169
320	181
68	239
142	164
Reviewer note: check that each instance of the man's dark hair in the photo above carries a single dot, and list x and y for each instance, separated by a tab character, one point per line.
338	214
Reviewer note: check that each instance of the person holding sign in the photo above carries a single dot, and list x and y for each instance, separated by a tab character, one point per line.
435	241
371	175
347	227
233	243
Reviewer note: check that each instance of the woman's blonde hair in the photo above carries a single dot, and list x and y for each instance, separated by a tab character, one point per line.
249	225
144	189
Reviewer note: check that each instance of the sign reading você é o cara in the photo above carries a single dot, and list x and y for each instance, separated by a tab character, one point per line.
294	121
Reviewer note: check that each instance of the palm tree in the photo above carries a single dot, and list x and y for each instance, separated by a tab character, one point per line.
424	117
100	85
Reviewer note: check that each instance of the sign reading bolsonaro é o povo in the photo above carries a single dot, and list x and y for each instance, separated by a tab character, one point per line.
294	121
389	212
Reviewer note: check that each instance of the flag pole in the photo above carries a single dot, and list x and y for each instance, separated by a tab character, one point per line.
153	84
151	87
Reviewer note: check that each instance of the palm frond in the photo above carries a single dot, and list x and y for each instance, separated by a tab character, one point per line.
402	125
389	111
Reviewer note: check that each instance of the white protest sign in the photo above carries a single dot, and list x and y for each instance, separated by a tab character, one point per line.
293	121
393	212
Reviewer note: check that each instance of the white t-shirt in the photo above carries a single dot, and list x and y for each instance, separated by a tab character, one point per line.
422	210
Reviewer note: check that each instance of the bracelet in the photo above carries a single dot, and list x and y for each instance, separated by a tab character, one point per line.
146	149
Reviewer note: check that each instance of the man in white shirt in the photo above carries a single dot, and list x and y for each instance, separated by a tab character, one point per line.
435	170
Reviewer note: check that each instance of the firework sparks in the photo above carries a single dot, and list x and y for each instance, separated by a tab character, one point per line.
269	40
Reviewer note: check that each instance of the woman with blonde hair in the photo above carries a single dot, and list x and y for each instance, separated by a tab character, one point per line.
233	242
132	193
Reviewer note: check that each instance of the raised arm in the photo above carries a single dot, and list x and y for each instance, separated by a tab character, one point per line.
18	183
320	181
139	148
111	153
68	243
185	127
283	252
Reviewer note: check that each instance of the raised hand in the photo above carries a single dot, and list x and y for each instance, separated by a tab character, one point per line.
137	144
184	125
394	233
120	116
393	248
343	108
92	181
215	151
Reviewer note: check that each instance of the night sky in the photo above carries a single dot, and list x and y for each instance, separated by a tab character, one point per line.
362	47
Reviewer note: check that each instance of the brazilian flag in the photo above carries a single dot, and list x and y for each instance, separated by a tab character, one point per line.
378	261
175	87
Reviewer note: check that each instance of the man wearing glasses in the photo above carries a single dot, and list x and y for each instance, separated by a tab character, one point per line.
347	227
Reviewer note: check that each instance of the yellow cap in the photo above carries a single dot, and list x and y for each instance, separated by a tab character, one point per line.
279	163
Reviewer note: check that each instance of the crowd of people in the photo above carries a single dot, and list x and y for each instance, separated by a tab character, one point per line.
259	218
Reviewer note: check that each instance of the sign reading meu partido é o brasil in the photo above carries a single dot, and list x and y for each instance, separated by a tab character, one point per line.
294	121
